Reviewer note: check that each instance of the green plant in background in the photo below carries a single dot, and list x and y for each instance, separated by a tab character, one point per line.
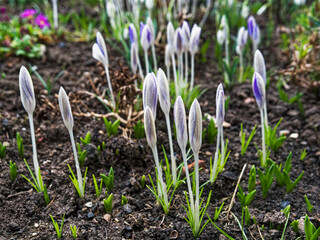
101	147
82	155
138	130
217	212
108	180
291	185
2	150
46	195
86	140
107	203
286	212
303	154
266	179
124	200
309	205
20	145
98	189
311	232
38	186
210	133
280	176
244	144
73	231
143	181
49	83
13	171
252	179
295	226
188	96
272	140
76	183
56	226
112	128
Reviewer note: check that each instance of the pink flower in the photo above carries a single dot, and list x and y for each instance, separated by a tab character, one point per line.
28	13
42	21
3	10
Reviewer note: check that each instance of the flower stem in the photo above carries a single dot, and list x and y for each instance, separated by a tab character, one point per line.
173	159
34	149
192	71
222	149
154	58
75	153
263	139
186	66
241	67
146	61
175	75
216	158
184	156
197	202
110	87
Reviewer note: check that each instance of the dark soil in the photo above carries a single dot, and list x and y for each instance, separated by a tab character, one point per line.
24	215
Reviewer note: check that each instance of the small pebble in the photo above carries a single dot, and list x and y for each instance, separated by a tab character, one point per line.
6	144
36	225
284	204
294	135
88	204
34	234
101	132
117	220
284	132
90	215
107	217
127	208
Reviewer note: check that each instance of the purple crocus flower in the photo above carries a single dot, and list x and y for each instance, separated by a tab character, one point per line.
132	34
220	110
258	88
28	13
150	94
194	39
180	121
179	41
149	127
195	126
251	26
42	21
145	36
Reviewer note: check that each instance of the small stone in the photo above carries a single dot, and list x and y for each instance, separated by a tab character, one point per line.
90	215
34	234
208	153
318	153
293	113
101	132
6	144
174	234
107	217
36	225
284	132
236	155
304	143
127	208
294	135
128	228
116	220
284	204
88	204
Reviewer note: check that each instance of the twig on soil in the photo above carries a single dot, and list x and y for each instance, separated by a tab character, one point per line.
251	234
20	193
235	190
260	232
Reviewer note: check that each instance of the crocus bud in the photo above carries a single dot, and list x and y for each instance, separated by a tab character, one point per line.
149	127
221	37
145	36
167	55
99	50
241	39
149	4
151	28
258	88
186	31
194	39
253	30
195	126
134	57
149	93
65	109
260	66
170	34
133	34
111	9
220	110
179	41
163	91
180	121
26	90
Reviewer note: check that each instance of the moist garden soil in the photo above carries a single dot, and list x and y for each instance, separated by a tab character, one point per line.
24	215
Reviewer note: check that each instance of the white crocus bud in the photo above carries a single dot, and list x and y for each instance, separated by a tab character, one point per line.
134	58
180	121
222	32
152	31
186	31
149	4
150	94
145	39
195	126
220	109
170	34
179	41
259	65
241	39
26	90
167	56
65	109
259	90
194	39
111	9
150	128
163	91
99	50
